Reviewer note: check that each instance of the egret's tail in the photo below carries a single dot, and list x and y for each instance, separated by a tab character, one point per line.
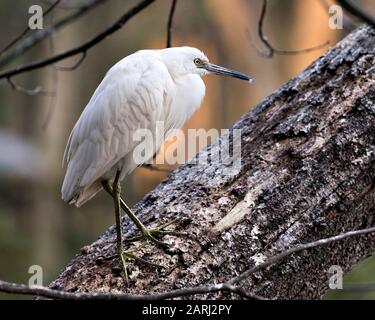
86	194
73	191
83	195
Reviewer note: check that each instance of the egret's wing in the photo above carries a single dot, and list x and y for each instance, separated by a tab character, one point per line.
134	94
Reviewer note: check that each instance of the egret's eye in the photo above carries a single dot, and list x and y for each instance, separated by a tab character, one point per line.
198	62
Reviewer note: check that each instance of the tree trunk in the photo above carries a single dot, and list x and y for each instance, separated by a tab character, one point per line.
307	172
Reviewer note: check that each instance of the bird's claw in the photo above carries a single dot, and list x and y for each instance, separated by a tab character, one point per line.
129	255
150	234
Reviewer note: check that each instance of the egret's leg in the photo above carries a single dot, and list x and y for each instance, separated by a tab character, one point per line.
146	233
129	254
150	233
116	192
159	231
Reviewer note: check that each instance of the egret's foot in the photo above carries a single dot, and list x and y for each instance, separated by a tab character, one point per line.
152	233
124	269
129	255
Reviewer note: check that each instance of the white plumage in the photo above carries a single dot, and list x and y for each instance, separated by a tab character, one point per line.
139	91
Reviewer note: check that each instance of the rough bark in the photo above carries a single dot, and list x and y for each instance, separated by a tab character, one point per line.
308	154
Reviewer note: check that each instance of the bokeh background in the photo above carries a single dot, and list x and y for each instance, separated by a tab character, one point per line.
36	227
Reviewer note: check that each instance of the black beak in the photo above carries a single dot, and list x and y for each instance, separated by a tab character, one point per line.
227	72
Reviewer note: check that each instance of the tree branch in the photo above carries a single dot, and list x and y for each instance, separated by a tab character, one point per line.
40	35
271	51
170	23
228	286
83	47
46	292
299	248
30	92
54	82
27	29
74	66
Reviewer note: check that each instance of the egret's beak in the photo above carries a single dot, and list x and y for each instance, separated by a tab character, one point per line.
227	72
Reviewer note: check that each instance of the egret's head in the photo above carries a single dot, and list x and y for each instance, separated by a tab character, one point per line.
188	60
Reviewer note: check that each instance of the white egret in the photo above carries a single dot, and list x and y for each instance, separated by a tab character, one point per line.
138	91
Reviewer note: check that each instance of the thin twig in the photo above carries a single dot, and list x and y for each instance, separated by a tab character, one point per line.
55	81
42	291
170	23
228	286
27	29
75	66
30	92
68	5
117	25
298	248
271	51
40	35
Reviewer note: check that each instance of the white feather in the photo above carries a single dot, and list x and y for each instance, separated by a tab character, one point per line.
141	89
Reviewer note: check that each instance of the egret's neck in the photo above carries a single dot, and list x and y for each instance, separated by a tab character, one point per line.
190	91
